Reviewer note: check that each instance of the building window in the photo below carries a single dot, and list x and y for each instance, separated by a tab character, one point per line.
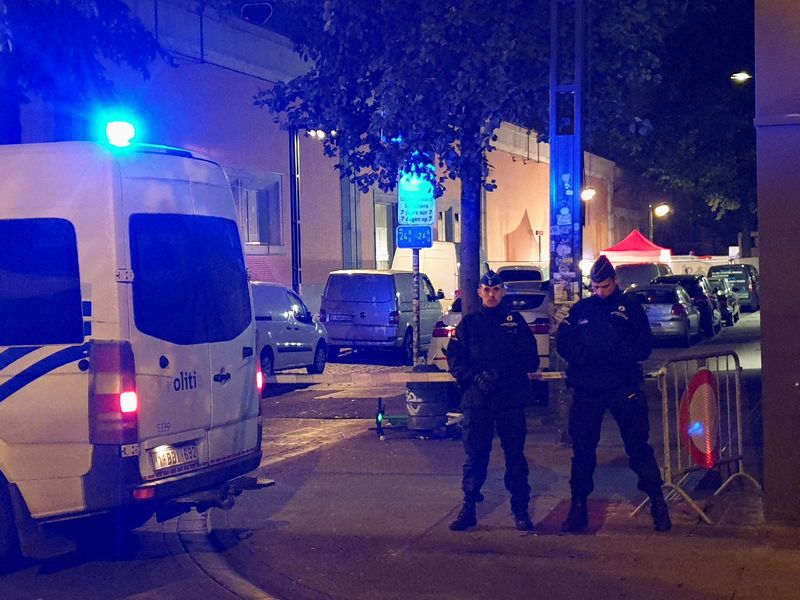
258	207
449	226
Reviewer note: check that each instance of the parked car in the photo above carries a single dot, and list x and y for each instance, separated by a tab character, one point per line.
670	312
287	335
533	306
373	309
629	274
703	298
727	298
522	278
744	280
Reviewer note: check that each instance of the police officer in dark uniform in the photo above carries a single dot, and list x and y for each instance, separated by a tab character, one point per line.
603	339
490	356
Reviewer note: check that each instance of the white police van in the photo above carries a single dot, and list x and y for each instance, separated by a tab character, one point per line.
127	343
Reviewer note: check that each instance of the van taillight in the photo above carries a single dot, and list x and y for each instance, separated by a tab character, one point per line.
259	379
541	325
678	310
113	401
394	317
441	330
323	316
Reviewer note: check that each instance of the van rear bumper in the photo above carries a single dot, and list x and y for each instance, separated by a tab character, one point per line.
112	480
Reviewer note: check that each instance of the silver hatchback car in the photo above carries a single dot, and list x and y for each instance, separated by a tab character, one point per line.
287	335
670	312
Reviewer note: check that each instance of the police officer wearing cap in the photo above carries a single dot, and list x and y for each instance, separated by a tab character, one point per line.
603	339
490	356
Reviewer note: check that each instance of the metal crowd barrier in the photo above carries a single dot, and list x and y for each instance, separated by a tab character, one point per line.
701	405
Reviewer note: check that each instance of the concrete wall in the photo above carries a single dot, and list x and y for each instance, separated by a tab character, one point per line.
778	138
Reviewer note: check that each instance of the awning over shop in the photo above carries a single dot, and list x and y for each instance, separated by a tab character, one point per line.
636	248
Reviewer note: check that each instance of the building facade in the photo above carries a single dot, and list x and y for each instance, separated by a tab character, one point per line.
203	101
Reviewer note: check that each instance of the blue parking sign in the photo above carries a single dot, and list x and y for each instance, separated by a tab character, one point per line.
414	236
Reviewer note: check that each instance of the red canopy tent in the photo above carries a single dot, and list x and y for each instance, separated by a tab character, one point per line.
636	248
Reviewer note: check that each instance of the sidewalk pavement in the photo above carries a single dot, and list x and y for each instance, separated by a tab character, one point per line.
367	518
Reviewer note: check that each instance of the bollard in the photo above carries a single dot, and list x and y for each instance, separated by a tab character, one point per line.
426	404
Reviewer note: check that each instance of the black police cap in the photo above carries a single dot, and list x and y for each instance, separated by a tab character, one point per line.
491	278
602	269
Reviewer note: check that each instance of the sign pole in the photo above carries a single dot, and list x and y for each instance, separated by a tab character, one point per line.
415	303
416	208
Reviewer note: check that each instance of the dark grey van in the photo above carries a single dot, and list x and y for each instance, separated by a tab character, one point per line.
629	274
371	308
744	280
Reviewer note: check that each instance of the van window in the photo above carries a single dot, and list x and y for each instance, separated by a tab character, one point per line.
734	273
359	287
40	288
189	278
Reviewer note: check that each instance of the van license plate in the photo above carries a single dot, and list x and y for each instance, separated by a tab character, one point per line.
166	457
341	318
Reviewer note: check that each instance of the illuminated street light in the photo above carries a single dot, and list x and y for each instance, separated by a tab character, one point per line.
588	193
660	211
741	76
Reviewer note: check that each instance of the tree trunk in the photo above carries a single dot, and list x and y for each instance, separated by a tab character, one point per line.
469	255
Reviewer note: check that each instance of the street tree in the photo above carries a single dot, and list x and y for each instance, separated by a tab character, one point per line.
59	49
705	142
402	82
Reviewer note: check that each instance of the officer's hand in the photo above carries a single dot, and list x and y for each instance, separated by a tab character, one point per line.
485	380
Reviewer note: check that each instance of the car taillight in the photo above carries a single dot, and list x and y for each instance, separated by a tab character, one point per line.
750	287
394	317
441	330
323	316
540	325
113	401
678	310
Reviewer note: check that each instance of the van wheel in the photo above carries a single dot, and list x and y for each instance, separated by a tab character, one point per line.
9	542
267	364
407	349
318	366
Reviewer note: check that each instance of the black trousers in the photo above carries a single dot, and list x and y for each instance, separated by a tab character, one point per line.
478	431
629	409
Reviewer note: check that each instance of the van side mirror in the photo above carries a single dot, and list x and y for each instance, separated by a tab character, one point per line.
439	295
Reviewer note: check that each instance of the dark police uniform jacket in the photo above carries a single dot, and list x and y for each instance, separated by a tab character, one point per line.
603	340
498	340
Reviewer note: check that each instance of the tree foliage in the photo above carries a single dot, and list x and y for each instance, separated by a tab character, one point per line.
402	82
437	78
705	142
58	49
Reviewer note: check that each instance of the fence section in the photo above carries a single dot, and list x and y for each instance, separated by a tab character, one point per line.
701	406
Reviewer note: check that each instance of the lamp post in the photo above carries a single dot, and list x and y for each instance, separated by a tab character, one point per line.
659	210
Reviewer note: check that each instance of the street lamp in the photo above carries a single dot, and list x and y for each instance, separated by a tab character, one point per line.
741	77
659	210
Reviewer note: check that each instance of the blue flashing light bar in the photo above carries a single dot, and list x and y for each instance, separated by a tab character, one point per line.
120	133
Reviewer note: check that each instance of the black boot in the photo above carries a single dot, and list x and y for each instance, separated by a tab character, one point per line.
465	519
522	521
660	512
578	517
